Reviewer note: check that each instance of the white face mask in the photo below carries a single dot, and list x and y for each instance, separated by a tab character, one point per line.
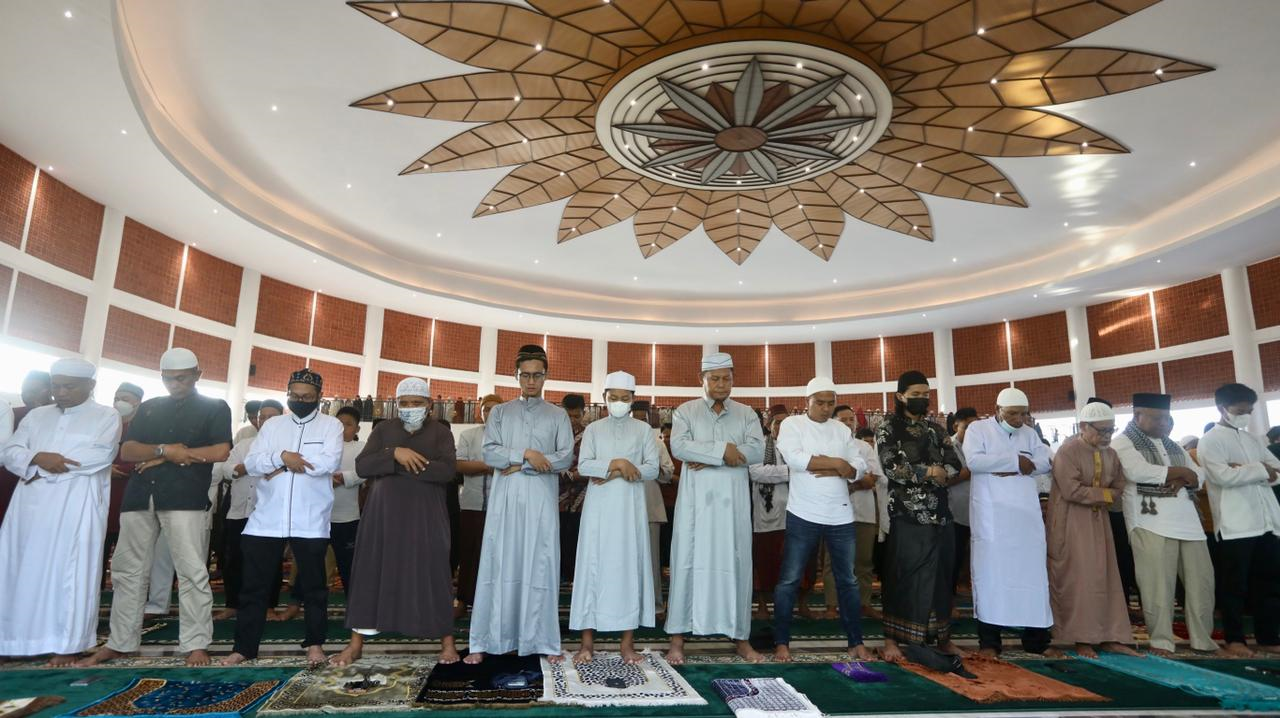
125	408
619	409
413	416
1239	421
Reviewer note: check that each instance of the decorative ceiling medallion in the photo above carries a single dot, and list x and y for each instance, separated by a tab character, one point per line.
738	116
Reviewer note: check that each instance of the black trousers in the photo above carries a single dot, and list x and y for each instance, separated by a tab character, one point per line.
231	560
1124	555
1251	570
343	539
261	568
963	536
1034	640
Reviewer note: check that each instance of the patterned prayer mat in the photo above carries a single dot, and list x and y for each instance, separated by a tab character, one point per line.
160	697
1233	692
609	681
22	707
367	686
1001	682
495	681
764	698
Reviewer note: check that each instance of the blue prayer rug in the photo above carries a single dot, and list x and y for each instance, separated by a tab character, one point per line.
158	697
1232	692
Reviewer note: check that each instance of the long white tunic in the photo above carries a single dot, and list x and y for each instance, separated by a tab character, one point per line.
243	489
518	584
346	498
289	504
710	590
613	576
1178	518
1010	569
51	540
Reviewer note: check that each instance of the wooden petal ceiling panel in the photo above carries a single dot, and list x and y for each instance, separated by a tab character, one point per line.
1000	131
876	199
737	221
631	24
667	216
806	213
500	144
605	202
940	171
486	97
547	180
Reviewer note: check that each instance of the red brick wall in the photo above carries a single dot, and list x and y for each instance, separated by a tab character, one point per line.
748	364
6	279
506	392
980	396
150	264
869	402
904	353
272	369
791	364
1191	312
1049	394
890	400
211	287
755	402
457	346
571	357
677	365
1120	327
406	337
1119	385
339	324
135	339
636	360
1040	341
509	344
1264	289
47	314
213	352
1199	376
979	349
65	226
792	403
556	397
15	195
339	379
387	382
1269	353
855	361
669	402
284	311
454	389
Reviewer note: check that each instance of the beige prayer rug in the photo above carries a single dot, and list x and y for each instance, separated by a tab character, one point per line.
1000	682
361	688
22	707
609	681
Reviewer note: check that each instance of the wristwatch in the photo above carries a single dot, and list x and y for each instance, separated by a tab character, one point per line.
159	450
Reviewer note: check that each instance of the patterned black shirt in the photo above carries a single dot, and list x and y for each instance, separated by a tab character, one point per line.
907	449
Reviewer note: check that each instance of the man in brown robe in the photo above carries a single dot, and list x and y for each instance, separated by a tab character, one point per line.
1085	591
401	580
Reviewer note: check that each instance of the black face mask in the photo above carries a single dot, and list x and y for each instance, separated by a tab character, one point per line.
302	409
918	406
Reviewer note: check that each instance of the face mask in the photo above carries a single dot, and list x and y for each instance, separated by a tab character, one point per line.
1008	428
918	406
125	408
1239	421
413	416
619	409
302	409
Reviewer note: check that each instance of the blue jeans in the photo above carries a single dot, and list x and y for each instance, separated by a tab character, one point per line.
802	540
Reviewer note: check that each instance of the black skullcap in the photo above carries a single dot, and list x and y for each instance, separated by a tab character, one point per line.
306	376
573	401
1147	400
910	379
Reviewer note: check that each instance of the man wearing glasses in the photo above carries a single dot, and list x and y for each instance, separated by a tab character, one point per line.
174	440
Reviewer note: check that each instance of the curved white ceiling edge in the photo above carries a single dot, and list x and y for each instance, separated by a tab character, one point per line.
1249	189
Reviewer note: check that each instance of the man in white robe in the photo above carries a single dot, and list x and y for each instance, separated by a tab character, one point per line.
613	577
1010	552
654	503
717	439
51	541
527	443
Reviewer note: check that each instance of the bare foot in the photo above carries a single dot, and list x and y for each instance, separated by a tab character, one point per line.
473	659
351	654
554	658
1052	652
1084	650
1269	649
782	653
675	653
1162	652
99	656
61	660
747	653
890	651
233	659
448	654
289	613
951	649
1117	647
315	656
584	655
991	653
805	611
860	653
631	656
224	614
1238	650
198	657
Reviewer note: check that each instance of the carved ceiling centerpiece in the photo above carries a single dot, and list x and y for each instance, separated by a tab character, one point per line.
738	115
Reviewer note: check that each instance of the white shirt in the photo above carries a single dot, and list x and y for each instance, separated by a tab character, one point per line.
1178	518
1241	498
6	421
475	487
868	504
346	498
818	499
289	504
244	489
246	432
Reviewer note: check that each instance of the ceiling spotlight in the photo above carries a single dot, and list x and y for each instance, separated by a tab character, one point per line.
955	259
923	314
675	209
439	235
736	211
799	206
348	185
808	169
562	173
799	65
274	108
48	168
914	228
1157	261
1035	296
491	208
626	147
970	128
615	196
739	282
391	102
861	191
997	195
193	244
516	98
394	14
1192	163
855	138
536	261
982	31
67	14
738	182
1066	224
857	96
919	164
635	279
633	103
705	67
215	210
833	281
524	140
538	47
315	261
994	80
1159	70
125	132
1084	145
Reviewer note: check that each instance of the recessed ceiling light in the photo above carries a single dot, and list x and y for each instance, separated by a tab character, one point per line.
633	102
970	128
391	102
955	259
861	191
536	261
738	211
1192	163
67	14
919	164
439	234
923	314
833	281
414	295
275	108
626	147
799	206
315	261
1066	224
994	80
855	138
348	185
215	210
524	140
193	244
1158	261
705	67
1035	296
48	168
562	173
914	228
997	195
1159	70
808	169
739	282
738	182
1084	145
538	47
799	65
394	14
615	196
125	132
491	208
635	279
675	209
516	98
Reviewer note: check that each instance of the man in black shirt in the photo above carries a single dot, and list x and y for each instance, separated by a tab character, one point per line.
175	441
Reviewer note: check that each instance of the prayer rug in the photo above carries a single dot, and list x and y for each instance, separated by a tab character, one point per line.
1233	692
609	681
1001	682
22	707
764	698
160	697
361	688
495	681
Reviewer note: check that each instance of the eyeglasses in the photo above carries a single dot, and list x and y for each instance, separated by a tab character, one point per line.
525	376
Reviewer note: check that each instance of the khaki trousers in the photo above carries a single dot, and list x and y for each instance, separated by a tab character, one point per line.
187	533
1159	562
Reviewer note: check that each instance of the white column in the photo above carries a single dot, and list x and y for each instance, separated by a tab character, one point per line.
242	342
94	330
822	365
600	369
488	358
1081	354
944	369
710	349
373	317
1244	345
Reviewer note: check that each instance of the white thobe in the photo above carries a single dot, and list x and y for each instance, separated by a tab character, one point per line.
52	536
1010	560
294	504
346	498
613	577
243	489
1240	496
711	535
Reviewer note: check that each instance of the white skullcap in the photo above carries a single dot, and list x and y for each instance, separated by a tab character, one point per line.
1188	440
179	358
413	386
1012	397
74	367
1096	411
819	384
620	380
719	360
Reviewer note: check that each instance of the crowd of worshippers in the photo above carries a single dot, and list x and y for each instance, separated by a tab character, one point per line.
545	498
